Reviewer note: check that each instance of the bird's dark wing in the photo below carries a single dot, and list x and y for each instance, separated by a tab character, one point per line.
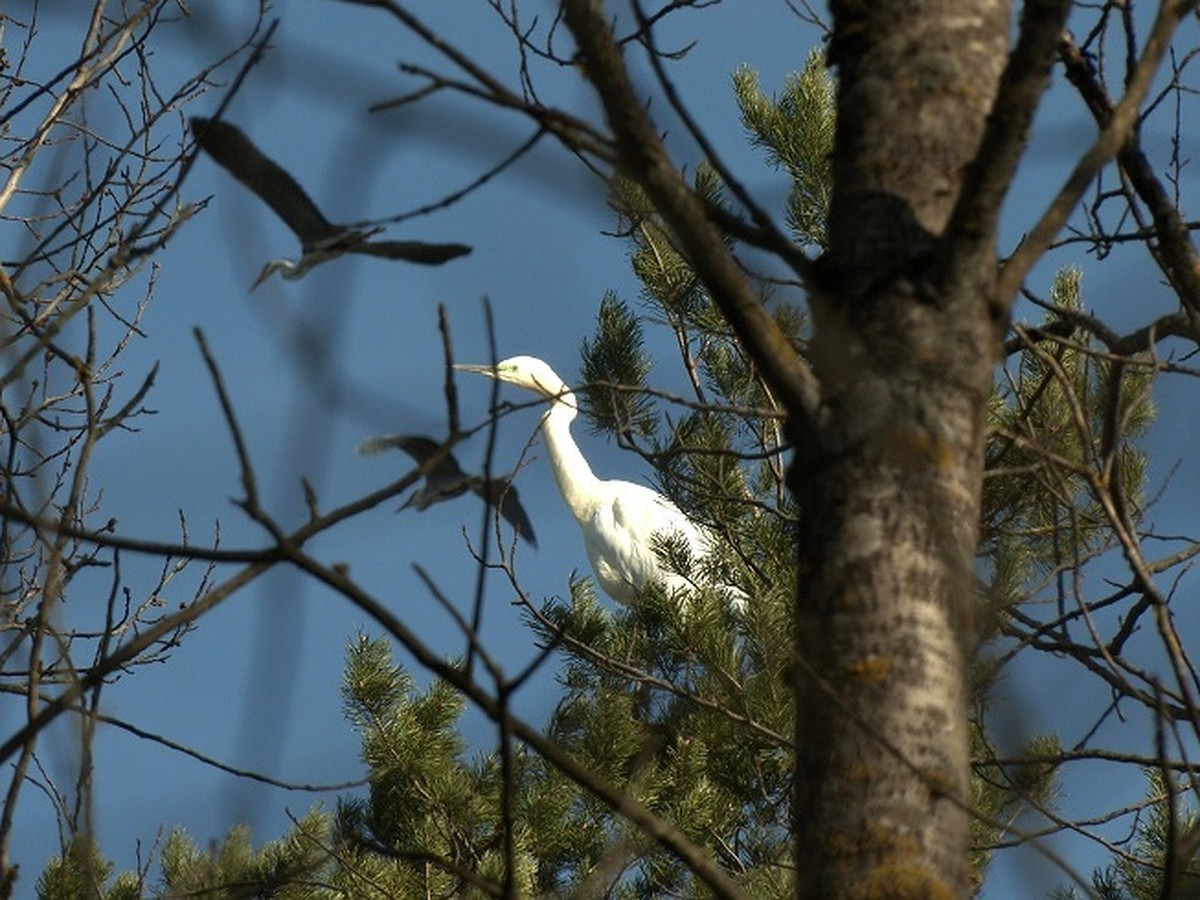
232	149
449	480
413	251
499	492
419	447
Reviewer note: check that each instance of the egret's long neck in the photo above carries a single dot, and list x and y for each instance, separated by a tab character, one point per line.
571	470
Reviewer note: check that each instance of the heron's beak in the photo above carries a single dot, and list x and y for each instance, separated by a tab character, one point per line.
268	269
489	371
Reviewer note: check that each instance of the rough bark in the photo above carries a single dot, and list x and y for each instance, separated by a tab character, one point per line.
890	477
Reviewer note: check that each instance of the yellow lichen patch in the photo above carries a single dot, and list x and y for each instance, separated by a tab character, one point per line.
895	842
908	446
906	881
941	783
929	356
899	874
942	454
858	772
873	668
849	599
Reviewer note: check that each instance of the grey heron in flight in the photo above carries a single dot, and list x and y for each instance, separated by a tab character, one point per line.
320	239
627	528
447	480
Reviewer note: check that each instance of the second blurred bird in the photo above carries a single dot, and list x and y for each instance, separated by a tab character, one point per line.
446	480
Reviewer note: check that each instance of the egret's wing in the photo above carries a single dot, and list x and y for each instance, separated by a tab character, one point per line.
644	514
630	532
667	543
412	251
499	492
230	147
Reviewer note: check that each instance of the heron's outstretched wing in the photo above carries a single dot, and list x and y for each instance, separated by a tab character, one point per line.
413	251
448	480
230	147
499	493
418	446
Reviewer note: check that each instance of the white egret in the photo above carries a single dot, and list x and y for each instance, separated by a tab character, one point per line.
623	524
320	239
447	480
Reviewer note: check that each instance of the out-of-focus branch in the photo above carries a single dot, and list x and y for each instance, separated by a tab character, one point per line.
572	131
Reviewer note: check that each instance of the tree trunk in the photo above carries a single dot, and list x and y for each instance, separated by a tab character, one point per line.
890	477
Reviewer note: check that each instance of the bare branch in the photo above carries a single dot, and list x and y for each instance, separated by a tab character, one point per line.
1115	133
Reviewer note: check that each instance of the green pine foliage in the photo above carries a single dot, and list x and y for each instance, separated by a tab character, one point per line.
615	367
299	865
670	290
796	131
677	711
1052	417
82	871
1143	873
294	867
433	815
1001	794
686	709
1052	445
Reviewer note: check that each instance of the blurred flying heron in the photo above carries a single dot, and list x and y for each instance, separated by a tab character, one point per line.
320	239
447	479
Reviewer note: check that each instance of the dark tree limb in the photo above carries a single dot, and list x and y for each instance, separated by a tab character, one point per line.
643	158
1022	87
1107	145
1174	250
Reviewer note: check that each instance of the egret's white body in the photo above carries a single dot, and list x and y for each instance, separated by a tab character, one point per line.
623	523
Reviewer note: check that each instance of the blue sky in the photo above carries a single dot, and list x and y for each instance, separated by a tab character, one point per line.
256	686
